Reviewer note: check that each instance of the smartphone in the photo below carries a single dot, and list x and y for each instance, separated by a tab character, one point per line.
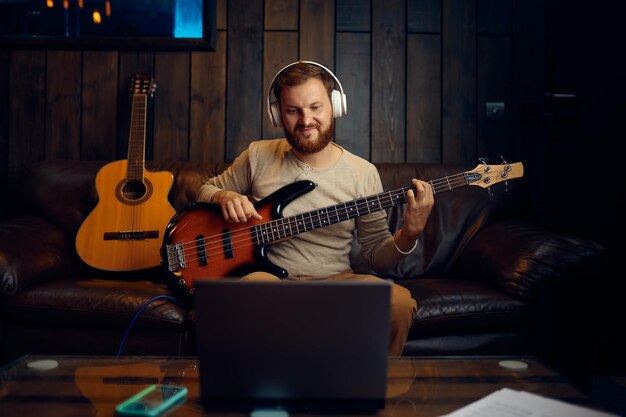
152	401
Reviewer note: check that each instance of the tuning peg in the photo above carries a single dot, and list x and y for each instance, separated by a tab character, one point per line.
484	162
507	166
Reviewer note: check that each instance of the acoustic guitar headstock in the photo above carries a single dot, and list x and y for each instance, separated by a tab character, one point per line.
142	84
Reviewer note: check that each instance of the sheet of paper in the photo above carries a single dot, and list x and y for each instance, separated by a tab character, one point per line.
510	403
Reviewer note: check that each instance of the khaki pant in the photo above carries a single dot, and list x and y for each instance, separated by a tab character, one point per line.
403	307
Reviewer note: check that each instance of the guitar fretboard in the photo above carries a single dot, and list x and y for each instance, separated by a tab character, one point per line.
137	138
289	226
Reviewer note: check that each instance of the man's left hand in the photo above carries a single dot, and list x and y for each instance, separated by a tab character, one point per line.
419	205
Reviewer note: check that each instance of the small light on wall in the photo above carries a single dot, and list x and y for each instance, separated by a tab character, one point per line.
97	18
107	8
66	4
50	3
80	4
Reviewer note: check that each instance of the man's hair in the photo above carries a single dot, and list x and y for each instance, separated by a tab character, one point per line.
298	74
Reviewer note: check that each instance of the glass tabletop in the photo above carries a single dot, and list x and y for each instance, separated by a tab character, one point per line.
416	386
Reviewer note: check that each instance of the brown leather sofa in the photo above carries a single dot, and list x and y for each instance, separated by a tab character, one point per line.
485	281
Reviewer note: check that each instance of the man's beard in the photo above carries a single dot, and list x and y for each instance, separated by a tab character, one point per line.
304	145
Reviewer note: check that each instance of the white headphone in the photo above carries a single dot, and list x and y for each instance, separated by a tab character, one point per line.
337	98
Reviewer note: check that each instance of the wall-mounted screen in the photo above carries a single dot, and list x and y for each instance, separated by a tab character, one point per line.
119	24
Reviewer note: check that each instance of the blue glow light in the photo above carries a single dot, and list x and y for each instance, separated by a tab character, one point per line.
188	19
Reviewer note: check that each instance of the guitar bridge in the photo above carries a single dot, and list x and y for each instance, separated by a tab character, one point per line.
176	257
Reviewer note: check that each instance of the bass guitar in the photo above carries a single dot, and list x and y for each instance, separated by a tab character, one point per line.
199	244
125	230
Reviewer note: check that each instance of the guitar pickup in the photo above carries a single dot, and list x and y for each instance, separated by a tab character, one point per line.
201	248
138	235
228	245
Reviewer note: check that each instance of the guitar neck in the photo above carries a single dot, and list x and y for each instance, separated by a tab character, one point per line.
290	226
137	138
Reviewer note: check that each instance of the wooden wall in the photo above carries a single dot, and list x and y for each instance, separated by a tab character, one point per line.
417	74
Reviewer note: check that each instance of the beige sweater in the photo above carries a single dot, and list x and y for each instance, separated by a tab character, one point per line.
269	165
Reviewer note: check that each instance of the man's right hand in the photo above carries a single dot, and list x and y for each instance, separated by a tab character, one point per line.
236	208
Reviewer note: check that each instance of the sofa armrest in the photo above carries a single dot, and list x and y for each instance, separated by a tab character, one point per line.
32	250
525	260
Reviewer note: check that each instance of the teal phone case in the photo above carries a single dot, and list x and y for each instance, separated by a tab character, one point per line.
152	401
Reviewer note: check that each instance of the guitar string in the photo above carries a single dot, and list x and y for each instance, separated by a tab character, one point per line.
311	221
217	241
134	172
212	243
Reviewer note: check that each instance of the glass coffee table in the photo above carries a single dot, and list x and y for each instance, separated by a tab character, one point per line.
416	386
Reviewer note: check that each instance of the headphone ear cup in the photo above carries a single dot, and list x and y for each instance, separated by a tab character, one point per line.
275	114
339	103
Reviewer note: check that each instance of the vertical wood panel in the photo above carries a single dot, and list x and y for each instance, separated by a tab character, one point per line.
131	63
317	31
281	49
221	14
63	86
459	82
171	106
494	16
424	16
494	85
245	60
208	103
528	88
388	80
28	108
99	107
281	14
424	98
353	71
4	128
353	15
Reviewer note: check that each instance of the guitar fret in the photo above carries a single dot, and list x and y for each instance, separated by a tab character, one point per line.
286	229
265	236
336	214
278	227
300	222
315	218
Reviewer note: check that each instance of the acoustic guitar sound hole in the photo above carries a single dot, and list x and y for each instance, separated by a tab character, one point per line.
133	192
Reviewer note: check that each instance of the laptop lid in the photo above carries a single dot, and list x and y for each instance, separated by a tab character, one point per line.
294	345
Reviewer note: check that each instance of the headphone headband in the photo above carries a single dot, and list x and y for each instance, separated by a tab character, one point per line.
338	98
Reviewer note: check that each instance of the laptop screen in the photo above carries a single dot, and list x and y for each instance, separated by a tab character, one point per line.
294	345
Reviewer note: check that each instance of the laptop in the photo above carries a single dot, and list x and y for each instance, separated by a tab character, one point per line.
318	346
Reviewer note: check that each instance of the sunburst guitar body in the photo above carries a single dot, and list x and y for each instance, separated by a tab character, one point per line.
124	232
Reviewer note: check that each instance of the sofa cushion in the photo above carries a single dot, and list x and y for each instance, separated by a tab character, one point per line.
32	251
451	306
62	192
527	261
95	303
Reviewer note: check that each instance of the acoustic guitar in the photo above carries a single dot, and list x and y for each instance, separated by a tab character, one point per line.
124	231
199	244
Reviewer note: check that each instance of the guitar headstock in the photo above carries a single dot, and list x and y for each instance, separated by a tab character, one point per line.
485	175
142	83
